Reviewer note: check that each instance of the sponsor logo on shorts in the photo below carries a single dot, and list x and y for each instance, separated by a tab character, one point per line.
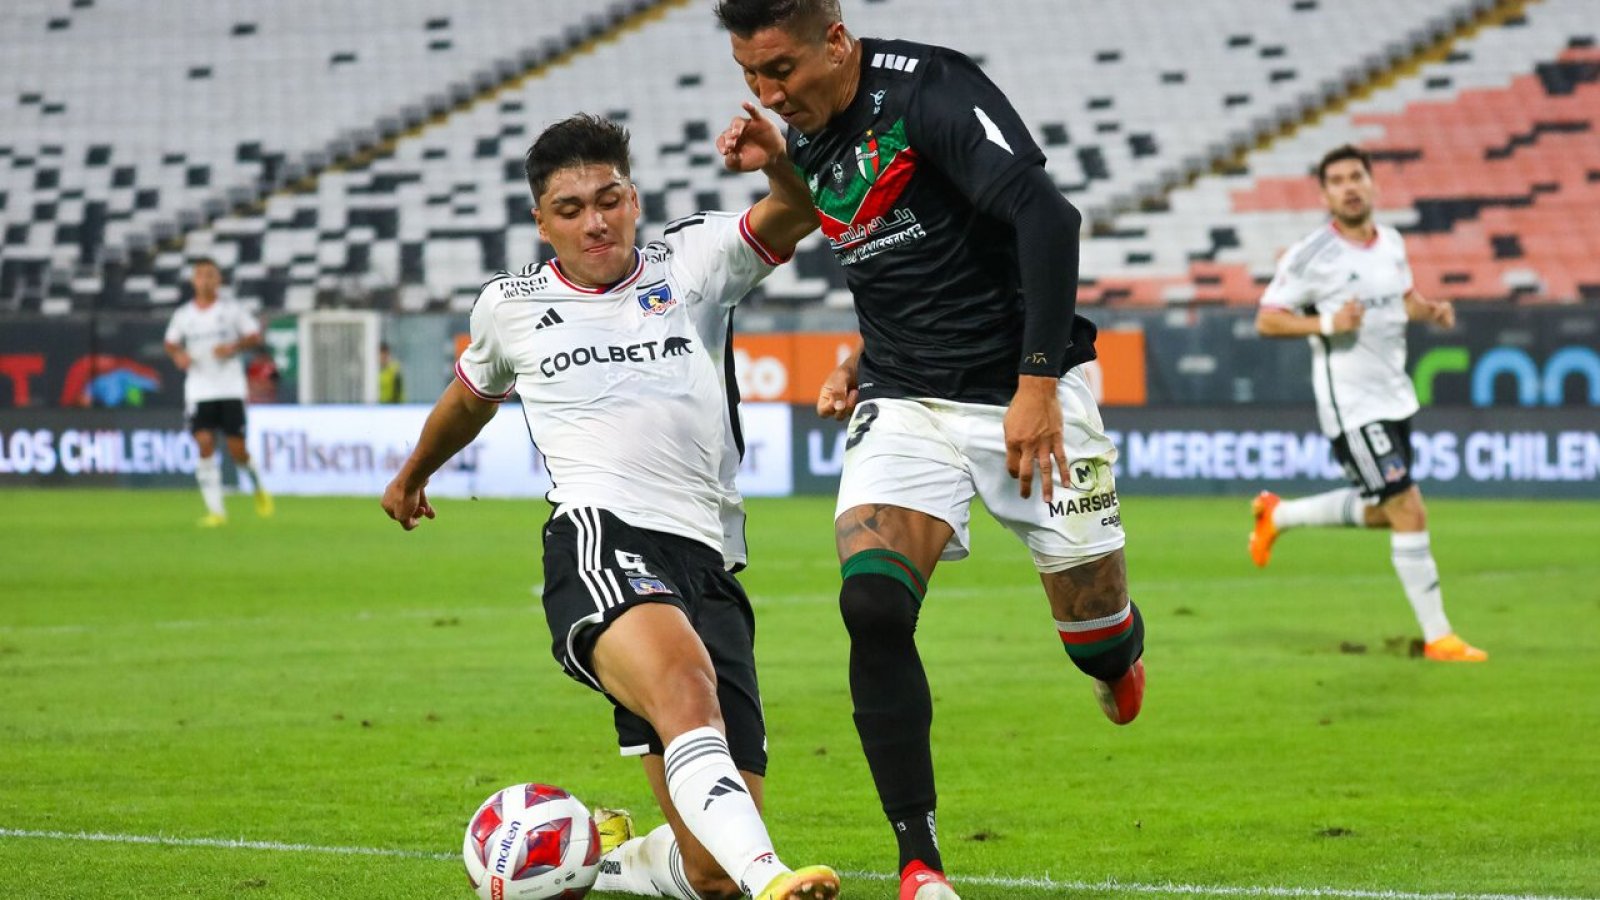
646	587
1089	504
1393	470
1083	475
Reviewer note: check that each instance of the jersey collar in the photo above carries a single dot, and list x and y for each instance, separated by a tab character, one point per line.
638	269
1360	245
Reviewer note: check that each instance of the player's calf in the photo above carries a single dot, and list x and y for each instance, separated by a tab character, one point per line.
879	601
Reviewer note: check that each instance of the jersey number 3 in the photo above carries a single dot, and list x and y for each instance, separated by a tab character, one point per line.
861	424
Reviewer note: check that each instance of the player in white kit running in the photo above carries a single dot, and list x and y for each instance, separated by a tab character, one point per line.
1347	288
207	339
618	357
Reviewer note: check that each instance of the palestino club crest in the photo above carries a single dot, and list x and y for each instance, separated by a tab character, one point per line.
656	299
867	158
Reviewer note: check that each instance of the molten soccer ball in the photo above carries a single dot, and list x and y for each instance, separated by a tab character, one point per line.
531	842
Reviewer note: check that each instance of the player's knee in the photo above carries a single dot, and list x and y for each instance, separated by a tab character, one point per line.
1406	511
1109	653
877	608
681	699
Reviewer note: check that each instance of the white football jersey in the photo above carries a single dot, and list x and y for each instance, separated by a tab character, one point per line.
199	331
1359	377
626	388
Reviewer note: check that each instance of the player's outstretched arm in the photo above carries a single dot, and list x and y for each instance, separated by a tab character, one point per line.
785	216
455	420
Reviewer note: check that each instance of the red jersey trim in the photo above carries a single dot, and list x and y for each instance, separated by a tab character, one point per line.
766	253
638	269
462	376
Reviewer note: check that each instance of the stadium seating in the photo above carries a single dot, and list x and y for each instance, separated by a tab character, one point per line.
1488	158
130	124
1130	101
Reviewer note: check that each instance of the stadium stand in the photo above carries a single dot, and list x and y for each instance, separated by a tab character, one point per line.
1487	157
128	125
1127	103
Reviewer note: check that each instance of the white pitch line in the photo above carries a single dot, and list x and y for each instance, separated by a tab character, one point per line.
222	843
1091	887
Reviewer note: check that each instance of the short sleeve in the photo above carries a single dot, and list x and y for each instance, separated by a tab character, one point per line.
174	333
717	257
1289	289
248	324
483	367
1406	278
966	127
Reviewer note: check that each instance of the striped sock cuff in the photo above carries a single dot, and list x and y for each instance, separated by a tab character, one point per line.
1096	635
704	743
888	563
1354	513
1410	545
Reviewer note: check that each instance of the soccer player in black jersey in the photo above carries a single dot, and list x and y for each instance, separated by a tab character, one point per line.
962	256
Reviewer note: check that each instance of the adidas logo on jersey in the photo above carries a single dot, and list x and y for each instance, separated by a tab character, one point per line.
550	317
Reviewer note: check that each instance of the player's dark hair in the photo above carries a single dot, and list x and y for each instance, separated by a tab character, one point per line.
199	261
806	19
1339	154
583	139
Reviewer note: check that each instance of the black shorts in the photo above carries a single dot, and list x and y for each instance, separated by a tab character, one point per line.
1377	457
226	416
597	567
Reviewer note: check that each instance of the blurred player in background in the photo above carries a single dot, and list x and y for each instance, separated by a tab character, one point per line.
614	354
391	380
206	339
962	256
1347	288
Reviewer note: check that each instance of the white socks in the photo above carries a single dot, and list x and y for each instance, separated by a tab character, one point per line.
712	798
208	471
1419	575
249	468
1341	507
651	866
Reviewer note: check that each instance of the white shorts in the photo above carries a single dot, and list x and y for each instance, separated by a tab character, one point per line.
934	455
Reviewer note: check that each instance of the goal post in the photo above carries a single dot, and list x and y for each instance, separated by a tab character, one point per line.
339	356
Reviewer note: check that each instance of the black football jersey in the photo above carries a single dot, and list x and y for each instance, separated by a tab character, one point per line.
897	179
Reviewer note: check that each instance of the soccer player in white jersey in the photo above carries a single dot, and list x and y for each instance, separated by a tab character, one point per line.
609	350
207	339
1346	287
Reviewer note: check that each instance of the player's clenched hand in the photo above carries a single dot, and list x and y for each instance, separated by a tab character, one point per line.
1033	434
181	360
837	399
751	142
1348	317
406	505
1444	313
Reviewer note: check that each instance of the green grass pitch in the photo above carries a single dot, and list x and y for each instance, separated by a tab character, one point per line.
323	680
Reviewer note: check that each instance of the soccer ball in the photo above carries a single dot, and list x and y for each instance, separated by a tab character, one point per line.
531	842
